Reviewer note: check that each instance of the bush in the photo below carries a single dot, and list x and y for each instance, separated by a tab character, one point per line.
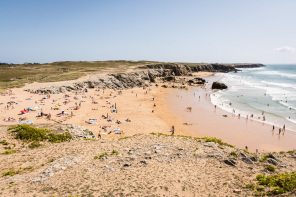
279	183
57	138
29	133
233	153
4	142
270	168
35	144
11	172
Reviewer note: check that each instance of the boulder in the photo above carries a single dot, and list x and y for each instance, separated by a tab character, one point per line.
218	85
230	162
247	160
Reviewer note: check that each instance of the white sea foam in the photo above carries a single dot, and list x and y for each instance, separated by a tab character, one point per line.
285	85
283	74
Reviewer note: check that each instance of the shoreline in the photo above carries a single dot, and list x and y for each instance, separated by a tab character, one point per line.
204	120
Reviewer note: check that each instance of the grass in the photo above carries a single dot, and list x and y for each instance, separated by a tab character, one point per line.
196	149
16	75
233	153
276	184
8	152
264	157
270	168
207	139
4	142
100	156
34	144
12	172
114	152
35	135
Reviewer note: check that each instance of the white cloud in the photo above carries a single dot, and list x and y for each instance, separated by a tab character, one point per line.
284	49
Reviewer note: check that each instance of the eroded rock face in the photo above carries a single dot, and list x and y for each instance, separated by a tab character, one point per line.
219	85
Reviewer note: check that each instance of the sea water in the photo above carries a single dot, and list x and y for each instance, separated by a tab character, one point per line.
266	91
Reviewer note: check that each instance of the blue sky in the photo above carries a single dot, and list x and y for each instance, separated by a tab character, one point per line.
224	31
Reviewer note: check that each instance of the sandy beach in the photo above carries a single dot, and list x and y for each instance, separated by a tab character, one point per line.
154	109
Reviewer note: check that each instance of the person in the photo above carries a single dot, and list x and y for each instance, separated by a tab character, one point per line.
280	130
256	151
284	127
246	148
99	135
173	130
273	127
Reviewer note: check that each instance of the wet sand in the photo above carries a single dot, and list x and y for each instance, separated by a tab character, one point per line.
204	120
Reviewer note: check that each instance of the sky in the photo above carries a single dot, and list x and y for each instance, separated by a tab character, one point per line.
212	31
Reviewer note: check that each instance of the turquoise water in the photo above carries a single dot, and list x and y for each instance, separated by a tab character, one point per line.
270	89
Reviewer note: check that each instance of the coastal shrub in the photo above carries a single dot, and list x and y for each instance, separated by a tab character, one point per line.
245	151
196	149
8	152
282	152
29	133
57	138
218	141
264	157
233	153
34	144
291	151
4	142
270	168
279	183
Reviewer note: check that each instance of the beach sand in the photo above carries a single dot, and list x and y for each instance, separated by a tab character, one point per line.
137	105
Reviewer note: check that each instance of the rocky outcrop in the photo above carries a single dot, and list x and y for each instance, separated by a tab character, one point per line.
218	85
248	65
142	77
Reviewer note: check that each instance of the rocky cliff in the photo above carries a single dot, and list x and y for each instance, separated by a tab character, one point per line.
142	77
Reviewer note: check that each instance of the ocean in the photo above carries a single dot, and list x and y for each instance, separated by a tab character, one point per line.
269	90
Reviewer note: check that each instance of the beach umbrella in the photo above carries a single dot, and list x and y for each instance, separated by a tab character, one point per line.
22	122
30	121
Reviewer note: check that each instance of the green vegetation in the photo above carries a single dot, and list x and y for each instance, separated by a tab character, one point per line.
270	168
12	172
115	152
218	141
274	184
291	151
8	152
233	153
57	138
35	144
16	75
196	149
100	156
4	142
28	133
264	157
207	139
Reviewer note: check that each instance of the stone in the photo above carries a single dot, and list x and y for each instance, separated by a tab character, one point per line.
126	165
247	160
272	161
219	85
237	191
144	161
243	154
254	158
230	162
209	144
